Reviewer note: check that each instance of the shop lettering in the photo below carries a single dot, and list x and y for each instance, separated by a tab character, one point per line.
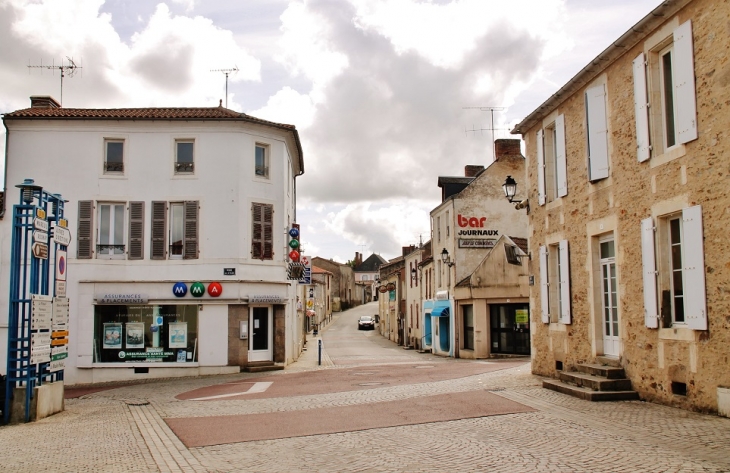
479	232
470	221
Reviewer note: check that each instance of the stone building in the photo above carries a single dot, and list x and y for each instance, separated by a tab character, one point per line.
344	292
627	171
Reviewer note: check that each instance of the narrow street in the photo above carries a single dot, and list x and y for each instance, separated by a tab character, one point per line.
369	406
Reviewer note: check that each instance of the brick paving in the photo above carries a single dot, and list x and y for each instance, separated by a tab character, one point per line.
124	430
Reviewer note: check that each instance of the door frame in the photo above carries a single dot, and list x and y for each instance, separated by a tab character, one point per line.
611	343
267	354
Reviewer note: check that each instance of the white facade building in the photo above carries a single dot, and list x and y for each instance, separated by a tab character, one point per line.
178	259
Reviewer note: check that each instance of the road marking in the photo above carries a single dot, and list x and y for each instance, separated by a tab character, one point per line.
256	388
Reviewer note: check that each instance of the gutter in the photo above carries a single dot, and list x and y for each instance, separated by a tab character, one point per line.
5	171
610	54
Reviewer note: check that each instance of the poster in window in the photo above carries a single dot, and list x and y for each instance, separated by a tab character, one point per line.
178	334
112	336
135	335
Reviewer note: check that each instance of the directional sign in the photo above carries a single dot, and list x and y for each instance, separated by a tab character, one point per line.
59	341
61	235
57	365
40	339
60	313
39	236
40	250
40	224
41	312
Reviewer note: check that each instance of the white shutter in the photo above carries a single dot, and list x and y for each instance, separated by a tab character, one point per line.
544	306
561	162
683	72
641	108
651	315
693	272
564	282
597	133
540	168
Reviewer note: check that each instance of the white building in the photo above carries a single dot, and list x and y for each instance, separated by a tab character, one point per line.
164	202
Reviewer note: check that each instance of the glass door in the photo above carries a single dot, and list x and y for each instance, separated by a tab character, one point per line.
609	298
261	339
510	328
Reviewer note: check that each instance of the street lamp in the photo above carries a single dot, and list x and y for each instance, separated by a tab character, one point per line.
413	274
445	258
510	189
28	188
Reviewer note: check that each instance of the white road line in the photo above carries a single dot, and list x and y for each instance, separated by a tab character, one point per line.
256	388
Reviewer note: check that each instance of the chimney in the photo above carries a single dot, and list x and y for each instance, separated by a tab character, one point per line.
408	249
471	170
507	148
43	101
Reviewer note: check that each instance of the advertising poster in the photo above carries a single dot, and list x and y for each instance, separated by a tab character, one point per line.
112	336
135	335
178	334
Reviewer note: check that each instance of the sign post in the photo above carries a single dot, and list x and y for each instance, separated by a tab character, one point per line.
38	308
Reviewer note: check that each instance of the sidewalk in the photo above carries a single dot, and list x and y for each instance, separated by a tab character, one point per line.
309	358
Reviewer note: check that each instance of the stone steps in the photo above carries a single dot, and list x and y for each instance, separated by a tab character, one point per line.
261	366
594	382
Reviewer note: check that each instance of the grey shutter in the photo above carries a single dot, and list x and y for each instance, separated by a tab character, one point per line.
683	72
268	231
641	109
693	272
651	316
597	133
136	230
85	238
257	231
540	168
190	230
564	282
561	160
544	301
158	245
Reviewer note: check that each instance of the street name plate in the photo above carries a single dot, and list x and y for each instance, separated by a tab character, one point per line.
39	236
41	312
57	365
60	312
61	235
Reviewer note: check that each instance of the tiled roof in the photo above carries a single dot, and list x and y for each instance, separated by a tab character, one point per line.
521	243
182	113
372	263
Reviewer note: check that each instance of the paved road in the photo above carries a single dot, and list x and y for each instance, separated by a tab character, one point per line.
313	418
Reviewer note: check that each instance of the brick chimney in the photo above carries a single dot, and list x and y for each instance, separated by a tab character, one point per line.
43	101
358	259
507	148
471	170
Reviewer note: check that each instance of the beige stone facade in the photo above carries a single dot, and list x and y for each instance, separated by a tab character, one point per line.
629	209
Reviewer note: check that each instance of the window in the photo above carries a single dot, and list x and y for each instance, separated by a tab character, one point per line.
184	156
676	271
555	283
468	311
609	295
113	156
179	227
110	242
597	133
664	94
511	254
262	161
448	226
551	161
262	235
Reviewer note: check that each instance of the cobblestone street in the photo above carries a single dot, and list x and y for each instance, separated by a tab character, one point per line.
125	429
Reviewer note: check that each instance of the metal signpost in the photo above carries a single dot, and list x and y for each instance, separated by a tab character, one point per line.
37	321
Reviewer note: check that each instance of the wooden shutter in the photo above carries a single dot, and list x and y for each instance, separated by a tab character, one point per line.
651	315
641	109
693	272
158	245
262	235
597	133
683	72
540	168
85	238
564	282
561	160
190	229
136	230
268	232
544	285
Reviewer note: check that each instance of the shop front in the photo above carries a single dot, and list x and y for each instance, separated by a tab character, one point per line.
510	328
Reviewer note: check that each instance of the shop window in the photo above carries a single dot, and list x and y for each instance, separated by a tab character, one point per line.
113	156
262	235
145	333
176	222
468	311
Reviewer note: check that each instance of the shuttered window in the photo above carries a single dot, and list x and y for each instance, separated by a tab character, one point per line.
651	315
262	239
190	230
684	82
564	270
158	243
597	133
540	168
84	239
136	230
561	160
641	109
544	286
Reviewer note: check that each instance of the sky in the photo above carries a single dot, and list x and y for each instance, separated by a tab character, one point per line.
387	95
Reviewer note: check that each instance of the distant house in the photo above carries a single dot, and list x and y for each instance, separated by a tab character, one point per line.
344	291
366	273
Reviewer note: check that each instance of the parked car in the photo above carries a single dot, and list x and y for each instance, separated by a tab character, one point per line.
365	322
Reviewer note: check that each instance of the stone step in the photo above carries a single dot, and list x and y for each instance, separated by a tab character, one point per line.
608	361
595	383
589	394
595	369
261	366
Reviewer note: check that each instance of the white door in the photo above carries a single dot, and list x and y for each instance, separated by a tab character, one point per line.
261	340
609	298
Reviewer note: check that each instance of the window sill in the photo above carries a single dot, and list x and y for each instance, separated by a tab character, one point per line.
184	175
558	327
668	155
113	175
682	334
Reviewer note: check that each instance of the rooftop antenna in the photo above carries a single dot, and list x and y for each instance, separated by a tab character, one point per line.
66	69
226	72
491	129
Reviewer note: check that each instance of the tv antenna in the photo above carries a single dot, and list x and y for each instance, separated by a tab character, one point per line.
491	110
234	69
66	69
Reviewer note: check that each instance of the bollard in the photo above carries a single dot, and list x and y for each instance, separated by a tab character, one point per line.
319	353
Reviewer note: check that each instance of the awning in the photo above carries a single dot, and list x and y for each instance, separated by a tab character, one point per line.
310	313
440	309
